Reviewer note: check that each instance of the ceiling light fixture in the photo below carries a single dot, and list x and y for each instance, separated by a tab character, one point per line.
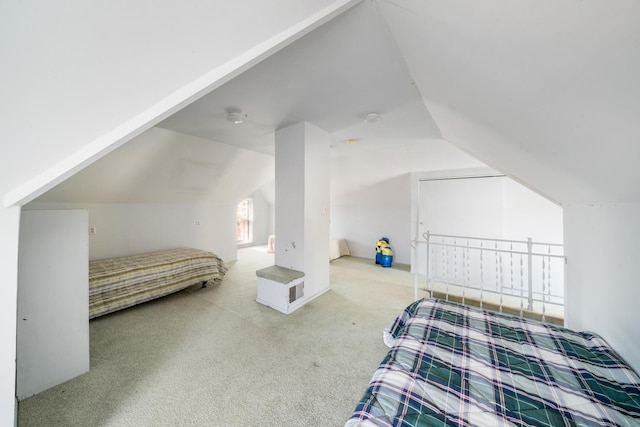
372	117
235	117
352	141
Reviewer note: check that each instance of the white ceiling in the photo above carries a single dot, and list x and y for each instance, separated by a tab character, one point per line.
162	166
332	77
544	91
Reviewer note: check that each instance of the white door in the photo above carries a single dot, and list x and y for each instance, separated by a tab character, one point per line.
53	299
461	207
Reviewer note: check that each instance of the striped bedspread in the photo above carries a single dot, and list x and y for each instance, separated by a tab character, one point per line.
118	283
452	365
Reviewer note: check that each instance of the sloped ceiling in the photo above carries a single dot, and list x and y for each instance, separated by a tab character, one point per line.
544	91
163	166
332	77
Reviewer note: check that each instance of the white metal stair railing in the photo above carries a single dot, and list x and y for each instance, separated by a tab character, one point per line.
518	274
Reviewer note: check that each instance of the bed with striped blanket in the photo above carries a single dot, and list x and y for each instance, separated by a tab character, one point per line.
118	283
451	365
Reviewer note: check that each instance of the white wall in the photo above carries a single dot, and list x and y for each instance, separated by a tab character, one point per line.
460	206
378	211
492	206
601	245
528	214
362	212
127	229
268	193
162	166
389	209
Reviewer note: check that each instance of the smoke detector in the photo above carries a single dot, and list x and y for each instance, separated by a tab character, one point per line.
235	117
372	117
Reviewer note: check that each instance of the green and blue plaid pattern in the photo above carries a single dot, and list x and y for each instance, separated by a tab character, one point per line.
453	365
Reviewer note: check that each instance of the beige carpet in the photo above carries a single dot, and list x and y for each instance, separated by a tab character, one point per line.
215	357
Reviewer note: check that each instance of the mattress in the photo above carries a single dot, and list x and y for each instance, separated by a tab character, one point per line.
338	248
118	283
451	365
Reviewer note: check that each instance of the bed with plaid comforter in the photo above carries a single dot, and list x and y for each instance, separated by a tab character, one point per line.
452	365
118	283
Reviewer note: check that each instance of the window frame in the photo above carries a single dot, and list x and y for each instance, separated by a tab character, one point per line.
248	219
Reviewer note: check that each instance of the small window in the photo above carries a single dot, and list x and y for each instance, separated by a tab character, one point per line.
244	222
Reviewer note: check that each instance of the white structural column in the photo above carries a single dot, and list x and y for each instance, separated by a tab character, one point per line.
302	204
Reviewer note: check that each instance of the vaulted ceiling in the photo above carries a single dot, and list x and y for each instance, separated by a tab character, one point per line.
332	77
544	91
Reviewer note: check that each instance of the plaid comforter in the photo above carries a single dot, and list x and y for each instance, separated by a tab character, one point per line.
118	283
452	365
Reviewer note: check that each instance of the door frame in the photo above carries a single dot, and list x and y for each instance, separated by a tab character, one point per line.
416	177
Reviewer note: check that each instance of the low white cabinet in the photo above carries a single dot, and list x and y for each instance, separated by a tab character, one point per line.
280	288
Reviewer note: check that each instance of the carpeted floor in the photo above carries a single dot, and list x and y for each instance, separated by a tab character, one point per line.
215	357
